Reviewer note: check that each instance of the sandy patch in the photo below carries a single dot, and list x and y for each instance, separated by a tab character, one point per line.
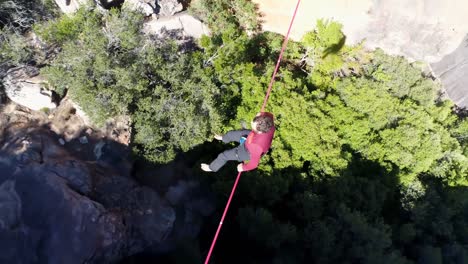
277	14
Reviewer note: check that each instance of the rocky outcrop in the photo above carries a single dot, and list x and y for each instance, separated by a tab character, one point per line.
169	7
147	7
69	6
25	86
161	8
78	202
182	23
452	72
422	30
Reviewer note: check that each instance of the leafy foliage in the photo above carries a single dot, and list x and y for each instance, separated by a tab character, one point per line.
368	164
16	19
124	73
20	15
223	15
14	48
361	138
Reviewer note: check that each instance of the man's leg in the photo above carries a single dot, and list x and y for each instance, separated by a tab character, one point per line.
235	135
222	158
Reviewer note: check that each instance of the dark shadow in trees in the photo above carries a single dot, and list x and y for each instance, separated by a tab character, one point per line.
434	224
345	189
364	187
461	112
112	4
335	48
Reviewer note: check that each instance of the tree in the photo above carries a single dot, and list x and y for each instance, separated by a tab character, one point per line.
124	73
221	15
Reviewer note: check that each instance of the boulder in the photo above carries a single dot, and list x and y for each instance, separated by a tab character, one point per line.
24	86
169	7
147	7
69	6
162	8
184	23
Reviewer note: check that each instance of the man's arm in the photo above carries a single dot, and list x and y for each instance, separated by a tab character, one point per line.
235	135
255	155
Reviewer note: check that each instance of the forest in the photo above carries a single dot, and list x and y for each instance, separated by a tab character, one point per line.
369	163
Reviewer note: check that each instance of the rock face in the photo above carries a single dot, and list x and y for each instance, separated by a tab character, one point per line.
424	30
452	71
72	204
69	6
24	86
169	7
147	7
184	23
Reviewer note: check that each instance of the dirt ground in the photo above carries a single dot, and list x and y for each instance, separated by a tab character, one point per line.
424	30
277	14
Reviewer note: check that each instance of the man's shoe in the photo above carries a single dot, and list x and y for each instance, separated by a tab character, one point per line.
205	167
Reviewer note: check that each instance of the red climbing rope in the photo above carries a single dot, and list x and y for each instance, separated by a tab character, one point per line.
279	58
262	110
222	218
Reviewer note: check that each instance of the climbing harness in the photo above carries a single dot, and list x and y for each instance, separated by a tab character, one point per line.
242	140
285	42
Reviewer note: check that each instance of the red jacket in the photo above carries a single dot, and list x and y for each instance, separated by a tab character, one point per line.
257	145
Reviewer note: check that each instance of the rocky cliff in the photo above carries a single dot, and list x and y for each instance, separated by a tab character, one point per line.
76	201
422	30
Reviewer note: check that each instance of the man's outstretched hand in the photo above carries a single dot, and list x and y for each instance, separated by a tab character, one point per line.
218	137
239	167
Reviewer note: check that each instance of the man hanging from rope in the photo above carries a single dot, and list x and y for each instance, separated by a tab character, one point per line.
253	144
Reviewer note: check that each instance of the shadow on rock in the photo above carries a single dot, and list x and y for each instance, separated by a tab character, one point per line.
76	201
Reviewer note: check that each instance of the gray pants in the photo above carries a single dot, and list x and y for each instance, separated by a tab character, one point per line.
238	153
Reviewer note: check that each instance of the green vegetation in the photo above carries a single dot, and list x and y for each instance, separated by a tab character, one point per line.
16	19
225	14
368	164
124	73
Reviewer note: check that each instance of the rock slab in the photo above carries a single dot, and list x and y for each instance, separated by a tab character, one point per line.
59	204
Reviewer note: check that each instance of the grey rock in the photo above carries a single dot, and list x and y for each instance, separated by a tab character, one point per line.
76	174
59	204
452	71
61	141
10	205
154	217
69	6
23	85
424	30
145	7
60	214
169	7
183	22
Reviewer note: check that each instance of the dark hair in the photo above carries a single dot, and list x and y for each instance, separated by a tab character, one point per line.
264	123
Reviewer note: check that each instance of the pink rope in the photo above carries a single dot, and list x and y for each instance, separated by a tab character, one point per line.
263	108
222	219
280	57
